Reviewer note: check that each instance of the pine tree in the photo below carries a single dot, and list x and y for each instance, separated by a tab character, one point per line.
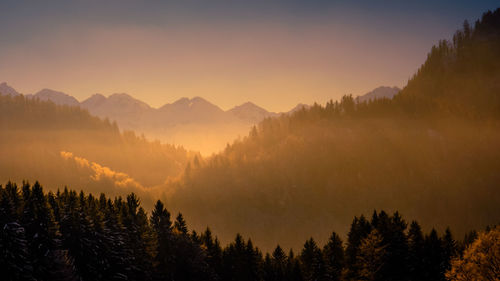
41	232
274	267
162	226
313	266
371	257
180	225
214	253
449	250
416	252
333	253
14	262
433	257
293	269
138	237
117	252
360	228
241	261
79	237
392	229
268	269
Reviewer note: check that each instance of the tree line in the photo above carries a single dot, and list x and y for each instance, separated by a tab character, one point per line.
433	148
75	236
100	155
458	78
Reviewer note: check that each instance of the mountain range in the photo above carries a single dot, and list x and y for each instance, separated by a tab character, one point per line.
379	93
195	123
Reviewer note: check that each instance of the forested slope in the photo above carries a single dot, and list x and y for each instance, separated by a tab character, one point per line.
432	152
64	145
77	236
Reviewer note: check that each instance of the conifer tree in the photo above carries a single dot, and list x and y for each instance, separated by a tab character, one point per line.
180	225
279	263
213	251
449	249
433	257
293	269
416	252
41	232
313	266
392	229
360	228
138	237
14	262
162	227
333	253
371	257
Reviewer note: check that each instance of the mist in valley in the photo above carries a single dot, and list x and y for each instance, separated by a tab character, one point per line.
372	186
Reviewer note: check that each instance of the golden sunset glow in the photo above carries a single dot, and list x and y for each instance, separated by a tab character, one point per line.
249	140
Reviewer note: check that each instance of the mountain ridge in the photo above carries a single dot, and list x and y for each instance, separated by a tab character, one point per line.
379	93
195	122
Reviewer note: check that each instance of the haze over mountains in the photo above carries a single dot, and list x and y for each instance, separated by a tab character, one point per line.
433	148
379	93
193	123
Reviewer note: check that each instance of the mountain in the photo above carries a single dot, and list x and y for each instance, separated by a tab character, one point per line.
95	101
380	92
432	149
122	108
299	107
192	122
183	122
195	110
68	146
115	105
56	97
251	112
7	90
460	77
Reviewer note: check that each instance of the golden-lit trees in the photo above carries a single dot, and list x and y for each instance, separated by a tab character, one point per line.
371	256
480	261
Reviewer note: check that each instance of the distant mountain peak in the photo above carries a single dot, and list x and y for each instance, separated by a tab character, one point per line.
198	99
181	101
56	97
188	103
299	107
247	106
126	100
123	96
93	101
250	112
5	89
378	93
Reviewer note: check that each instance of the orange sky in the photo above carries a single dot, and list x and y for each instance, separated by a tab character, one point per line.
275	67
273	61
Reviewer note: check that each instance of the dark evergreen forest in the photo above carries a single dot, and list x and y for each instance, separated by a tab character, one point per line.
68	146
76	236
432	152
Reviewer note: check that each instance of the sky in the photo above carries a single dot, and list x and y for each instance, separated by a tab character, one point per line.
275	53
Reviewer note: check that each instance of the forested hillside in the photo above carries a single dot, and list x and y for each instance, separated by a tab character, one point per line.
64	145
461	77
432	152
76	236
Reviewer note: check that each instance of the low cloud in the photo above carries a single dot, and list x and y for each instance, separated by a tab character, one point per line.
101	173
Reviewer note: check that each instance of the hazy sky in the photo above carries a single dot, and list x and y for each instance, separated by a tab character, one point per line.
274	53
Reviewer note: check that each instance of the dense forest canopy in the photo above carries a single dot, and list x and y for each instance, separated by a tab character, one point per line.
67	146
459	77
76	236
432	152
